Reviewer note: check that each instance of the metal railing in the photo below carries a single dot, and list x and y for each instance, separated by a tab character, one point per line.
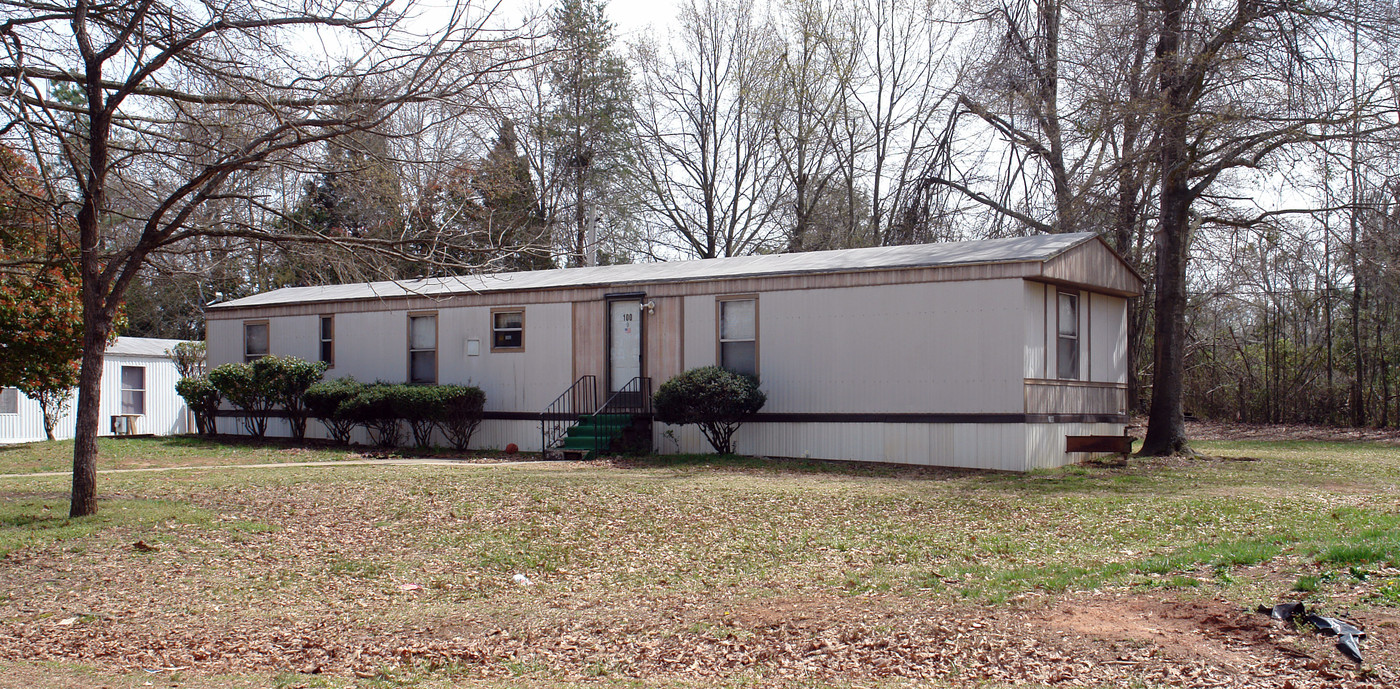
579	400
634	399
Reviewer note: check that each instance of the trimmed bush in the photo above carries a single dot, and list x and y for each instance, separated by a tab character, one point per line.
717	400
461	413
203	399
238	384
374	408
258	387
287	379
325	401
421	407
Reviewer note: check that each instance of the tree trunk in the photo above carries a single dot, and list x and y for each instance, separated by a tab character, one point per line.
84	499
1166	427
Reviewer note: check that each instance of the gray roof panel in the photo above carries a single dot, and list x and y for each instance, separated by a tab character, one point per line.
1014	250
142	346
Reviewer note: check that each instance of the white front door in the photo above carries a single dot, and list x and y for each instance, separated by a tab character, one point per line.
624	343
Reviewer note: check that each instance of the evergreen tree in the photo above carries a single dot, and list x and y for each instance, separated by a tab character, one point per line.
509	207
590	120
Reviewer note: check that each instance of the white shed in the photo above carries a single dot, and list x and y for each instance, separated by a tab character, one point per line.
138	388
980	354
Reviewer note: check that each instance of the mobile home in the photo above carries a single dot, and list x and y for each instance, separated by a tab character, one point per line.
138	397
983	354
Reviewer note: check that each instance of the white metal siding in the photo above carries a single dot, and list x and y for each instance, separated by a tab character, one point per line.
700	333
1035	330
1108	335
996	446
948	347
513	381
1045	442
166	413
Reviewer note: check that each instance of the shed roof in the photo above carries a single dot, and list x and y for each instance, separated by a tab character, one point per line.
1037	248
142	346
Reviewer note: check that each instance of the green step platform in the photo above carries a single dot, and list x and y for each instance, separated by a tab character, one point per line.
595	433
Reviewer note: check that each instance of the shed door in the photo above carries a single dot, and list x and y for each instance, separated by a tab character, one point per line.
624	342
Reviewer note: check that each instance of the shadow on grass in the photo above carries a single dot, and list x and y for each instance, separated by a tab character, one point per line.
786	465
1138	476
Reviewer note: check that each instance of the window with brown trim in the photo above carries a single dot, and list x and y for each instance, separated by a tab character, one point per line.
738	335
133	389
1067	340
255	340
508	330
422	349
328	340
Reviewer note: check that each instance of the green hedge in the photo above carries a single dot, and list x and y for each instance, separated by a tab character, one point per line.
323	401
272	381
381	407
717	400
202	398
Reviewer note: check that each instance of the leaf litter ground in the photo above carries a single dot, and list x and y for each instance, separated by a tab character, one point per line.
699	573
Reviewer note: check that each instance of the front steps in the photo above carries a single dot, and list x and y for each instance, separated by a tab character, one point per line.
593	435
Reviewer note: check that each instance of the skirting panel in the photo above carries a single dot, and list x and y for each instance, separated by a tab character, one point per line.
994	446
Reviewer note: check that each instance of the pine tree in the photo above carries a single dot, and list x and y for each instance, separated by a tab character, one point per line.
590	121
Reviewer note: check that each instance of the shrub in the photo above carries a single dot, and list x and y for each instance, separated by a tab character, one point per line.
717	400
374	409
238	384
326	401
270	381
287	379
421	407
188	358
461	413
203	400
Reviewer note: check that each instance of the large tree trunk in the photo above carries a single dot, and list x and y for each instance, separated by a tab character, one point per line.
1166	427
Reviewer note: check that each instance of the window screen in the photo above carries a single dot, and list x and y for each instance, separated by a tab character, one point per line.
133	390
508	330
1067	361
422	349
254	341
9	400
738	335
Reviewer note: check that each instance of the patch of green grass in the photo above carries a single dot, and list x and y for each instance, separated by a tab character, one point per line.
364	569
1308	583
1388	593
35	521
140	453
1360	553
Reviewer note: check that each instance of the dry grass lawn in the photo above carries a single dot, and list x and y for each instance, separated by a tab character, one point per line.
689	572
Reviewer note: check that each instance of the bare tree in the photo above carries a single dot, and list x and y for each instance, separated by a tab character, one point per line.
177	103
712	180
904	56
1238	82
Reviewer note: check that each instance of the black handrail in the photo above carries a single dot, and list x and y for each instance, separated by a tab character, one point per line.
580	399
633	398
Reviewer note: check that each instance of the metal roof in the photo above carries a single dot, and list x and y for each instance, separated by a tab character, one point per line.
1015	250
142	346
